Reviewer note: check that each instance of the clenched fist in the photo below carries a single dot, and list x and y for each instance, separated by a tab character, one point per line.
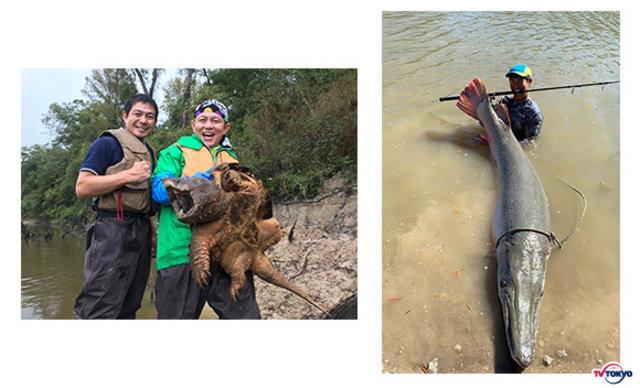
140	171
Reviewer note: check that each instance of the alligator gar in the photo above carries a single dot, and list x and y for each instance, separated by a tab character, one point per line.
521	225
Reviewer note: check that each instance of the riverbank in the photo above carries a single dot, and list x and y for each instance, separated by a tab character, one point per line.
42	229
321	257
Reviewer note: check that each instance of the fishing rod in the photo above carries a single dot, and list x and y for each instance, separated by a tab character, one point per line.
535	90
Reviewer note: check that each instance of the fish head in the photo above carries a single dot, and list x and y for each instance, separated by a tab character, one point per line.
522	264
195	200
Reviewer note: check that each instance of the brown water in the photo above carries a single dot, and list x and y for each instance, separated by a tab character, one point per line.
52	276
439	189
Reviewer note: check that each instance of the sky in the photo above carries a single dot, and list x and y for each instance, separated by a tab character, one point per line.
41	87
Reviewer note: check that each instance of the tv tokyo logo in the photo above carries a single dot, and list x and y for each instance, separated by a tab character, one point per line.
612	373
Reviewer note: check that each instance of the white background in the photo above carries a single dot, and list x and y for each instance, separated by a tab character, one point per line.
277	33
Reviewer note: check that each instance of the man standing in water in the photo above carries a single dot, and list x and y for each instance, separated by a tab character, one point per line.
116	171
524	114
177	294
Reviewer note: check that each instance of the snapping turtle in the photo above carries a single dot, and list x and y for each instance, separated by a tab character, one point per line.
231	224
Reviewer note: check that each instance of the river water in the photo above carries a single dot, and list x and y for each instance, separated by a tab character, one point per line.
52	276
439	186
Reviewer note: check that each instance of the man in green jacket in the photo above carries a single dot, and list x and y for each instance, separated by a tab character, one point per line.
177	295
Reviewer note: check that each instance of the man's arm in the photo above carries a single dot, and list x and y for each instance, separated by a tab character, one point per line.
534	124
90	185
170	164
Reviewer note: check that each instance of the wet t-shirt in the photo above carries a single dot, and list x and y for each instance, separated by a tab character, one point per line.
526	118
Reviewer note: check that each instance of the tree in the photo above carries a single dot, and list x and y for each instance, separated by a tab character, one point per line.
292	126
109	90
186	96
45	191
148	77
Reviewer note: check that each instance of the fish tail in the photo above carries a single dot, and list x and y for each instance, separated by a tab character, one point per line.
471	97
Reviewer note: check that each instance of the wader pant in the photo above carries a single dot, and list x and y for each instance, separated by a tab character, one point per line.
179	297
116	267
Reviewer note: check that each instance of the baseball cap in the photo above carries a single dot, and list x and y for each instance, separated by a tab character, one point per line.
521	70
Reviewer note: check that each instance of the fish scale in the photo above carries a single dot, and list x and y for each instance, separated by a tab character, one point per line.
521	202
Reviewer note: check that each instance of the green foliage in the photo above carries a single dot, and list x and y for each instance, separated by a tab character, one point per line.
163	138
302	130
109	90
293	127
172	103
45	190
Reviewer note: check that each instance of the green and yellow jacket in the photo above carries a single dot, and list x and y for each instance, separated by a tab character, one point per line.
182	159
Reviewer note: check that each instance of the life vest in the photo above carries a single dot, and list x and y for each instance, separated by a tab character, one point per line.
133	197
203	159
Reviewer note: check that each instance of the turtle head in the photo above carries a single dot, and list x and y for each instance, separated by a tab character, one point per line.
195	200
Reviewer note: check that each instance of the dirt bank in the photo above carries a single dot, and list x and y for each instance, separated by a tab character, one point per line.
322	256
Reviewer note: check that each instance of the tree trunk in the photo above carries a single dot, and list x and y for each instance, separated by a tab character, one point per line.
186	97
154	78
141	78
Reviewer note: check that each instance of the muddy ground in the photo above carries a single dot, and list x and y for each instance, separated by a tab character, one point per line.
322	256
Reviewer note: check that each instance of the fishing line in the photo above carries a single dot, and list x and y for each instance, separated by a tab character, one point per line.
584	210
551	236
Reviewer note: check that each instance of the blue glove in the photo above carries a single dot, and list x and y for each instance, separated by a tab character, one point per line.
206	175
